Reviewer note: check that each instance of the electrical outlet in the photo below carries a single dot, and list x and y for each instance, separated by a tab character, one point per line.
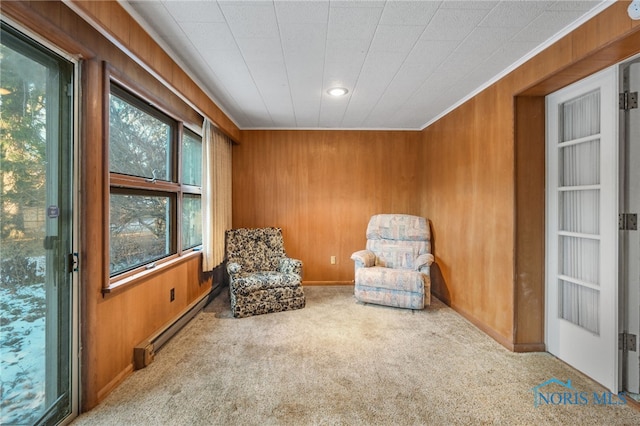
333	260
172	295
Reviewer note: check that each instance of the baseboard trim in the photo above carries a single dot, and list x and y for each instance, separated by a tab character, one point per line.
216	289
529	347
312	283
485	329
106	390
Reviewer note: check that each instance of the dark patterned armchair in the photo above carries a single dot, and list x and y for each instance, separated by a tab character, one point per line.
262	279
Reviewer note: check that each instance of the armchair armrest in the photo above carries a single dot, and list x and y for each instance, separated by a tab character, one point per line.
364	258
233	268
424	260
290	266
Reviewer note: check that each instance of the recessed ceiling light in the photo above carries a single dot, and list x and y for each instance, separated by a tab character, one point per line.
337	91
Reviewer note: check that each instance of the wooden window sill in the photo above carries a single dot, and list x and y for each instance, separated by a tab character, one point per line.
133	279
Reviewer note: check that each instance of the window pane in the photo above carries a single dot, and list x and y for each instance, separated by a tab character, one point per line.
139	230
191	221
579	305
580	117
139	143
580	164
191	159
579	211
580	259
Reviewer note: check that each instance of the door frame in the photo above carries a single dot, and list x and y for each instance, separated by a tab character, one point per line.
629	317
76	247
75	228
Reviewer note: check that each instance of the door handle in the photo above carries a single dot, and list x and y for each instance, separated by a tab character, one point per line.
72	262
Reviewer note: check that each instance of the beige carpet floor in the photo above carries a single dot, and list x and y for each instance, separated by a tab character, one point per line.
339	362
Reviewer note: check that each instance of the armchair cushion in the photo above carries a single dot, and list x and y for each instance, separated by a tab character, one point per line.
258	249
395	256
398	227
246	283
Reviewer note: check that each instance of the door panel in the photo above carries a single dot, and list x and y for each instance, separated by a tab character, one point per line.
36	181
582	184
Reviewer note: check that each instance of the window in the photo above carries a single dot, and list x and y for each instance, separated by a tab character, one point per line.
139	229
192	190
191	220
192	159
155	184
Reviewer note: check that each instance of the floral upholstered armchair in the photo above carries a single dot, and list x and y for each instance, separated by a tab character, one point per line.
394	269
262	279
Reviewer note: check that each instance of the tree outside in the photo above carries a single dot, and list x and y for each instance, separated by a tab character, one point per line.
23	156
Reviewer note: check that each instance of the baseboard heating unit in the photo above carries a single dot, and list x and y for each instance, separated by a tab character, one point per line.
145	351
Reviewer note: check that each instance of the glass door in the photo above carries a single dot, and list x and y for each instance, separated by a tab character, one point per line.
36	181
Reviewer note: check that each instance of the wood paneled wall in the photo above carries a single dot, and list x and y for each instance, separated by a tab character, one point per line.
112	324
321	188
529	262
485	185
469	198
477	174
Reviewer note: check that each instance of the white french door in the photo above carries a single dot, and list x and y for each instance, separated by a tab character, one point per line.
582	227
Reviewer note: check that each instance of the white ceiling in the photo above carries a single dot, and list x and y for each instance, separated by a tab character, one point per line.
268	64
